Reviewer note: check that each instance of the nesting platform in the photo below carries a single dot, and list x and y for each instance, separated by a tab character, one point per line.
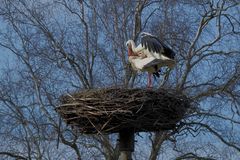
113	110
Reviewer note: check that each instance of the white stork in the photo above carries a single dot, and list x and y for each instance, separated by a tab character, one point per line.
150	56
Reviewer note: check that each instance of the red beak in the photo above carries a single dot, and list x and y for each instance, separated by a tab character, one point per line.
130	52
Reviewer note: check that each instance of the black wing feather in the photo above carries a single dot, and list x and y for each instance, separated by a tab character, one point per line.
153	44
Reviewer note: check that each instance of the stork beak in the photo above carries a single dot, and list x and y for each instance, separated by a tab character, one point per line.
130	53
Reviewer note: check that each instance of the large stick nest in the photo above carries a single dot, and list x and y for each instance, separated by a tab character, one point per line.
112	110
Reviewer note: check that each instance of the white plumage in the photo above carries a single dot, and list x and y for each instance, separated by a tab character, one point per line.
150	55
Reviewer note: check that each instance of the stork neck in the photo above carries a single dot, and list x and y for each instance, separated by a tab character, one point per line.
133	45
131	49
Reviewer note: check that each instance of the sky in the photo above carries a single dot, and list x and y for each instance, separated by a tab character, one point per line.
8	60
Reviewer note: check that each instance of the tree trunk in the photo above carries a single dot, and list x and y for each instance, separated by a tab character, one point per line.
159	138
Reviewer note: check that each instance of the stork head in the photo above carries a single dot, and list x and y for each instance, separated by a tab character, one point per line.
129	45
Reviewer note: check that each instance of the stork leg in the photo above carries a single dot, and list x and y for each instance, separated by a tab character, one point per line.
149	84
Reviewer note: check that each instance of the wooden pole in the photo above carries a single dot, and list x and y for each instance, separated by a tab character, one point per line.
126	144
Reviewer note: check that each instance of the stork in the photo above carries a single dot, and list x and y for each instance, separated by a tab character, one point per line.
150	55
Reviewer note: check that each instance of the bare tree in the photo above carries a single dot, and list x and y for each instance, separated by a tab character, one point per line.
59	46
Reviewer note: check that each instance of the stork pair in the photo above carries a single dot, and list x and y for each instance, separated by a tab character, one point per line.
150	55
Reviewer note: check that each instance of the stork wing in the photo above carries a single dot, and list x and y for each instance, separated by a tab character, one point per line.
153	44
160	63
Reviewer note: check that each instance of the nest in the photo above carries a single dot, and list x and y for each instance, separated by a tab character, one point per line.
113	110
